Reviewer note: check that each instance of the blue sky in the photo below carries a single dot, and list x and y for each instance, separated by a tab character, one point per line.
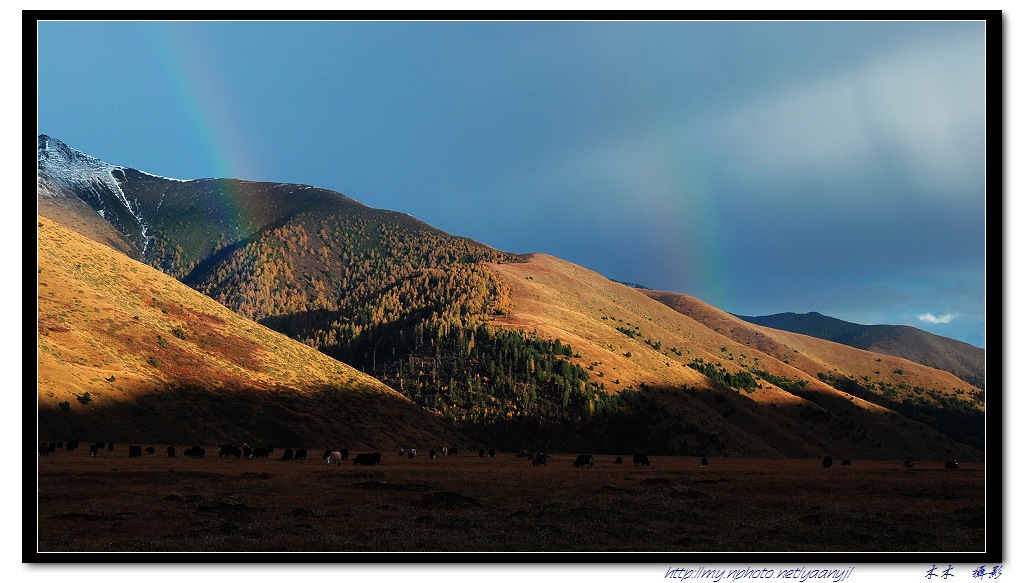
762	167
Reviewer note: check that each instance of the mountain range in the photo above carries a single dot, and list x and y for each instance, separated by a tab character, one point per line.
434	338
960	358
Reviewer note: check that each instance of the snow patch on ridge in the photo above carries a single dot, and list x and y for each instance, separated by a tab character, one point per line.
163	177
62	165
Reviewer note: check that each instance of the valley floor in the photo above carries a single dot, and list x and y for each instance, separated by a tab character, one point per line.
467	503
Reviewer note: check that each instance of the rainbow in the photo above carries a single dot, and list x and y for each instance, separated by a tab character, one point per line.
702	233
193	77
207	105
672	178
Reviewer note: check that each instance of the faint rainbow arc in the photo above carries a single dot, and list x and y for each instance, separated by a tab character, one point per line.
206	104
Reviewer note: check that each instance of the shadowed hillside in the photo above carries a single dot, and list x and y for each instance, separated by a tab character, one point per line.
67	209
127	353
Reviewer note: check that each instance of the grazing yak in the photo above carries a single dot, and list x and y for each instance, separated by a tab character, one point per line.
94	449
584	460
259	452
908	463
341	452
540	459
704	462
334	458
367	459
490	453
952	465
288	455
618	461
641	459
300	454
134	451
150	450
71	445
826	462
412	454
196	452
229	449
433	454
46	449
171	452
846	463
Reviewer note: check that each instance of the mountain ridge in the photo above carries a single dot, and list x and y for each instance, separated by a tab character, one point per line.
960	358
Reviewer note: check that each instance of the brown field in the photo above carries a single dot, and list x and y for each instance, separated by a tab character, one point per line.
467	503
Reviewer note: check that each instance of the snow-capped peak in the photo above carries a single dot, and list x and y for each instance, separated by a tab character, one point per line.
60	162
60	165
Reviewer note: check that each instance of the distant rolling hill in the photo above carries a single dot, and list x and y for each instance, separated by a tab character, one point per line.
963	360
127	353
509	350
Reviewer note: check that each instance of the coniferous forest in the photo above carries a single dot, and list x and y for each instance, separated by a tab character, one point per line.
413	307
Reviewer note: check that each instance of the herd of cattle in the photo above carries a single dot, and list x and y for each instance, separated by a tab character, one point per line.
335	456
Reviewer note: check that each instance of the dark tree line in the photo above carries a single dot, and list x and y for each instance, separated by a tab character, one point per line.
722	377
960	419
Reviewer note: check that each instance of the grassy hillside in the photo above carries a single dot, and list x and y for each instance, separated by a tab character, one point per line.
127	353
702	389
932	396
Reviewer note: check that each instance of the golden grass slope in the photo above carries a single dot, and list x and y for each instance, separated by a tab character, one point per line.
134	355
74	213
562	300
629	340
814	355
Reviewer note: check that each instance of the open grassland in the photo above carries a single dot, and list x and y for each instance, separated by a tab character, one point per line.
467	503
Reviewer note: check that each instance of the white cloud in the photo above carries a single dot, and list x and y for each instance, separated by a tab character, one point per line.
916	113
933	319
